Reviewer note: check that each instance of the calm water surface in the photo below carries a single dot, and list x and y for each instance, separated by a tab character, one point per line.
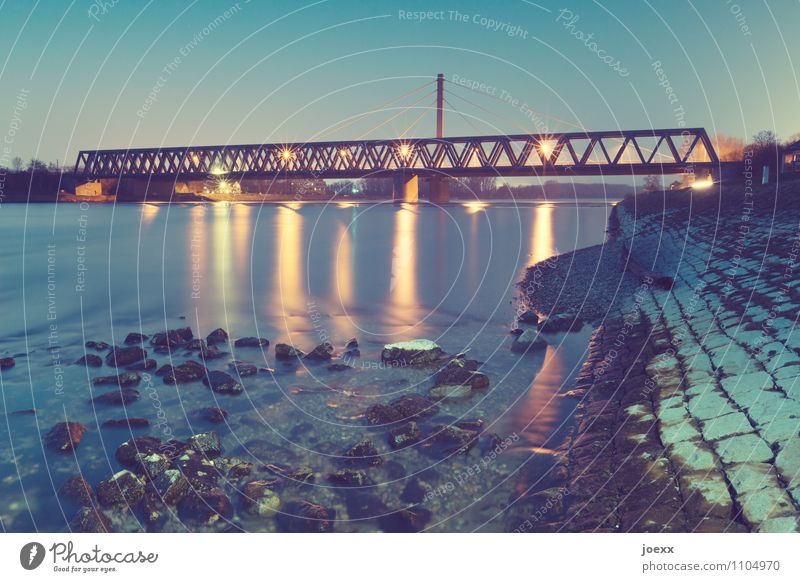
294	273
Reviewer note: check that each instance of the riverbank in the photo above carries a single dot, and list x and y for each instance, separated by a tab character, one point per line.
689	401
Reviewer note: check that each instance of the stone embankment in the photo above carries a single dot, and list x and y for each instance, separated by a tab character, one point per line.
689	413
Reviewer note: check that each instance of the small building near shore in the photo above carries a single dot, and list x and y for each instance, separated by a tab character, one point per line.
791	158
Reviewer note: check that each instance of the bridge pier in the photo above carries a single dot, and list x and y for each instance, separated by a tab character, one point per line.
405	188
439	190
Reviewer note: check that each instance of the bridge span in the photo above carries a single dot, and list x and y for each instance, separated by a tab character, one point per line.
567	154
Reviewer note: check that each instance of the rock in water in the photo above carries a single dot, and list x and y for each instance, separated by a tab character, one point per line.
134	338
404	408
171	486
350	478
304	517
222	383
121	357
90	520
321	353
90	360
561	322
251	342
189	371
411	353
259	498
126	379
205	507
528	340
65	436
172	337
218	336
243	369
285	352
351	344
207	443
123	488
128	452
214	414
459	371
411	520
77	490
363	454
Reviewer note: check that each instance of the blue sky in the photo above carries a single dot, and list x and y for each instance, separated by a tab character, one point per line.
77	75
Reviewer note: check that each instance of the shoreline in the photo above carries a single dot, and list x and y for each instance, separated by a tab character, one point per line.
688	414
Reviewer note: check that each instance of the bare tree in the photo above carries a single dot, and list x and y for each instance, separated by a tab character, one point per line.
17	164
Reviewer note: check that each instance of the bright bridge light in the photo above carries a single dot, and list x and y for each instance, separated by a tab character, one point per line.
546	148
703	184
404	151
287	154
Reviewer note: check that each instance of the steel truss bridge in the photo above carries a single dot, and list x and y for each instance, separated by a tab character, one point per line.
596	153
577	153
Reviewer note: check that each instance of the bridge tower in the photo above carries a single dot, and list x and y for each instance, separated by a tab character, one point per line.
439	186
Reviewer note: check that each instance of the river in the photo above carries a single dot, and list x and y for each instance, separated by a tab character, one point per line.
294	273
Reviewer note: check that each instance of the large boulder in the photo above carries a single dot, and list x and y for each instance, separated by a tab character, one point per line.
120	357
411	353
561	322
243	369
172	337
128	452
65	436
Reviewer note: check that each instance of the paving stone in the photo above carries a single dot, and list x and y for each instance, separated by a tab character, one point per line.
787	462
743	449
706	493
758	506
725	426
748	477
692	456
788	524
771	405
780	429
677	431
709	405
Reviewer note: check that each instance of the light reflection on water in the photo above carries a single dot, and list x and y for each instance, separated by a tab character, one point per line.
295	273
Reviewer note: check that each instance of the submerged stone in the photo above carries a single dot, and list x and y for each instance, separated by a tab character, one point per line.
65	436
126	423
222	383
189	371
119	397
122	488
528	340
77	490
90	520
251	342
363	454
207	443
126	379
447	392
218	336
259	498
408	407
404	436
89	360
205	507
120	357
304	517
